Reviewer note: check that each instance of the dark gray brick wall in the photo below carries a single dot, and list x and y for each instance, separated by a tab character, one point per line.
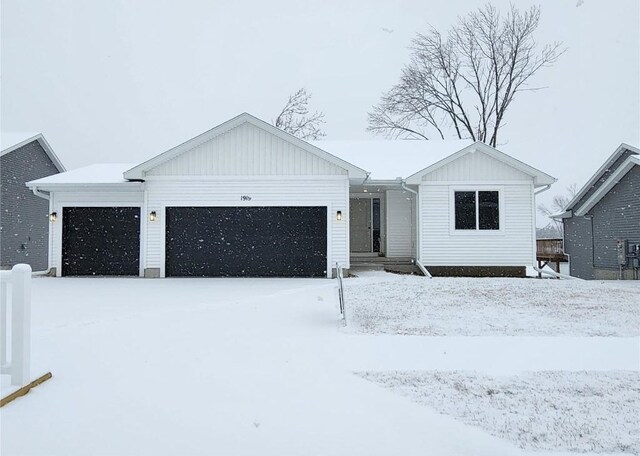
24	229
616	216
578	244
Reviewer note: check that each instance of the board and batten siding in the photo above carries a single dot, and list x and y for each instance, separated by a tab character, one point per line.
400	224
441	245
616	216
88	198
245	191
246	150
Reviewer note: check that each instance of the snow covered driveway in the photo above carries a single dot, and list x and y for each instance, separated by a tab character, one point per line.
382	303
248	366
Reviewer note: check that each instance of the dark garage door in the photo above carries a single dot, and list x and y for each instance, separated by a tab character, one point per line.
100	241
246	241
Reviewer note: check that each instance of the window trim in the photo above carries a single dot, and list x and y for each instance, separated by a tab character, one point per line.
476	231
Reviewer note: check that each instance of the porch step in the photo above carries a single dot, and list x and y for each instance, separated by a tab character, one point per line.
378	260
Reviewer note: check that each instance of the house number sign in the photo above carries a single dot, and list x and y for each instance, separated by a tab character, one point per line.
245	198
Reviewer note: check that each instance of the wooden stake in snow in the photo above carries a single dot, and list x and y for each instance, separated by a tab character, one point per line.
25	389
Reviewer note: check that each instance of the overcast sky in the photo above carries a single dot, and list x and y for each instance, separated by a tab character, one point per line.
114	81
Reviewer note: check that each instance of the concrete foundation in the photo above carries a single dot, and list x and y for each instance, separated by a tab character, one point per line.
613	274
477	271
152	273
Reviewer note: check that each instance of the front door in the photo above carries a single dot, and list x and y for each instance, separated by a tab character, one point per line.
360	224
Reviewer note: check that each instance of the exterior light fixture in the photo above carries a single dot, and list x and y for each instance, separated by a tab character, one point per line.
152	216
339	215
53	216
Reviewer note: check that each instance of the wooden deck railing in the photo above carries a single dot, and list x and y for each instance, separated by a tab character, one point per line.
550	248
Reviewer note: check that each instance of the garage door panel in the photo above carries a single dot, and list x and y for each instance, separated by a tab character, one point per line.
246	241
100	241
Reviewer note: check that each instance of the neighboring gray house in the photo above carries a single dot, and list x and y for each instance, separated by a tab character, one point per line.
24	223
603	213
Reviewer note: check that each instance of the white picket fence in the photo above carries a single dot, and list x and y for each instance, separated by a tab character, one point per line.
15	332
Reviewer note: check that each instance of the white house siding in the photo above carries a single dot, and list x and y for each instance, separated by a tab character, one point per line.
476	166
512	246
401	221
246	150
86	198
329	191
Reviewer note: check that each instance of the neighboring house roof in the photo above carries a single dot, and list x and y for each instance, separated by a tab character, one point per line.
99	174
540	178
599	173
611	181
138	172
10	141
392	159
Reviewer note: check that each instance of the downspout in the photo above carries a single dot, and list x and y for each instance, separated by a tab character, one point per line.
46	196
420	265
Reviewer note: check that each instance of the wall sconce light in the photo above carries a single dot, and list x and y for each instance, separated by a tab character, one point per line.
339	215
53	216
152	216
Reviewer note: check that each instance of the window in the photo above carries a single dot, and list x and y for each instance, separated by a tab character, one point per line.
477	210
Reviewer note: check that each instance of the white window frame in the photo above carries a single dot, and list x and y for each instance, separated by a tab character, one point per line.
476	231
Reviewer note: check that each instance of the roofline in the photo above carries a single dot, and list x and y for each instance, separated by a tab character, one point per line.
612	158
45	145
541	177
137	172
118	186
607	185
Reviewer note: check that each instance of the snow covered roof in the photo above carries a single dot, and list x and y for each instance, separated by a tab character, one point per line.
99	174
12	140
390	159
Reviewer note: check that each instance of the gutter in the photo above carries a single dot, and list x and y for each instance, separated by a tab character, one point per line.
424	270
543	189
37	192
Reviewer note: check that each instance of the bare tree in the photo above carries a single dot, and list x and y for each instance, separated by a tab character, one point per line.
464	82
295	118
558	204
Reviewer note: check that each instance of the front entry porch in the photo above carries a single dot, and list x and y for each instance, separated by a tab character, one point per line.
382	228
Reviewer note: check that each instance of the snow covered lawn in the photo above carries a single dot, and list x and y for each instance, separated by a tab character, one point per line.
382	303
253	366
570	411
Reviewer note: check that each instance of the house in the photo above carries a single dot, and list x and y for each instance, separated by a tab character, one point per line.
247	199
604	217
24	230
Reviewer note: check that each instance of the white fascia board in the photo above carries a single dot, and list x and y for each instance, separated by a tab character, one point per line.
45	145
615	177
608	162
138	172
540	179
109	187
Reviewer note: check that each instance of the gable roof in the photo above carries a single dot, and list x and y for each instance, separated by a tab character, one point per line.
10	141
539	178
611	181
391	159
138	172
599	173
